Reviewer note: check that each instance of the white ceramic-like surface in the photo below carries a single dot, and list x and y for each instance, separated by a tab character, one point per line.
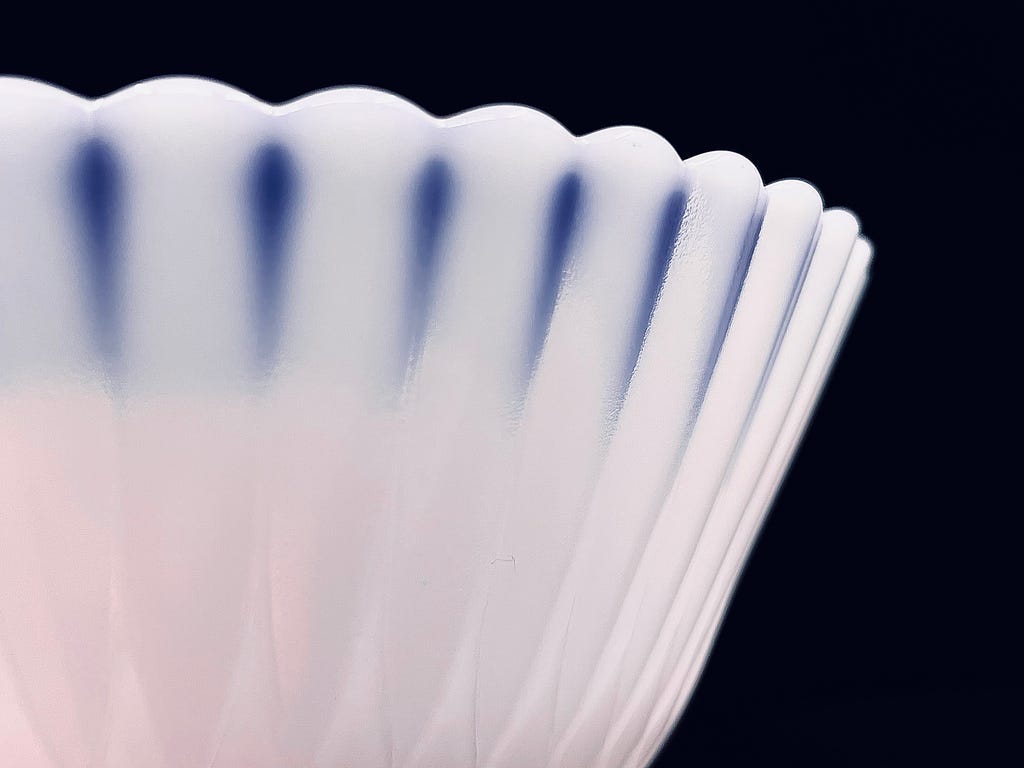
335	434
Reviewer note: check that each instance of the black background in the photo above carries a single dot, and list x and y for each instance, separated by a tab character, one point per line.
876	622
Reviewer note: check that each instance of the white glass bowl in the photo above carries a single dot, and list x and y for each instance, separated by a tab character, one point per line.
335	434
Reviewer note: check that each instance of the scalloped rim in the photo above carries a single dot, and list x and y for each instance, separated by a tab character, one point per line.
357	94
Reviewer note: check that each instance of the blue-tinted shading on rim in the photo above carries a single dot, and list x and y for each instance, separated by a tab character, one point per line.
769	365
98	197
272	191
663	249
431	212
732	298
563	222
